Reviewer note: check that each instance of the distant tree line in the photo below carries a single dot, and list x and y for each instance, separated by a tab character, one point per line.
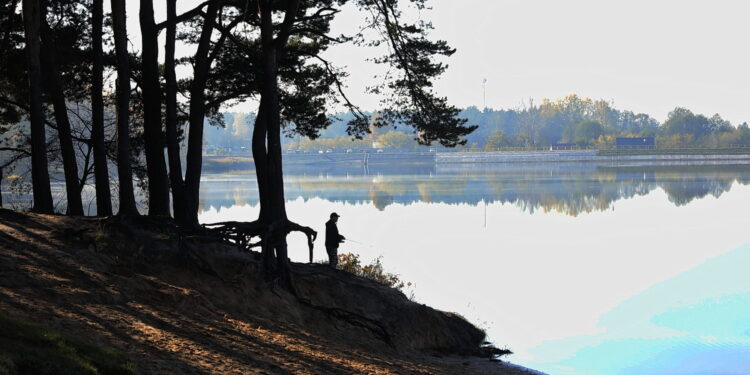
571	120
586	122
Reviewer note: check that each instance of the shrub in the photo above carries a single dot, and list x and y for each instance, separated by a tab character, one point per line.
350	262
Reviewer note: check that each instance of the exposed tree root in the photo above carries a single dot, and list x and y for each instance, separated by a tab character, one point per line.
271	239
237	232
242	233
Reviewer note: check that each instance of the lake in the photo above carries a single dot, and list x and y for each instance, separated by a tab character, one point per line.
580	268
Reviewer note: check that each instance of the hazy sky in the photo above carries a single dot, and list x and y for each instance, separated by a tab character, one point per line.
645	55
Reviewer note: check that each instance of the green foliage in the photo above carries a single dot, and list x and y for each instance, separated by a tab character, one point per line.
588	122
309	84
27	348
683	128
585	132
409	96
12	65
682	121
350	262
395	140
598	124
496	140
574	119
553	121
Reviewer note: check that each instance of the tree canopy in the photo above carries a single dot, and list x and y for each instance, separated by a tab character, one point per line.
270	51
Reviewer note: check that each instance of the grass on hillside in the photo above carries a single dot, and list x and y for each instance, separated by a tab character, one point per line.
28	348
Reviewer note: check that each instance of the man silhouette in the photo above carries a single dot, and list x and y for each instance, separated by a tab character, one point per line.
333	239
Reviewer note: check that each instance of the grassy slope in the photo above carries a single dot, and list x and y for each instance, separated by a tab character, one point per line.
28	348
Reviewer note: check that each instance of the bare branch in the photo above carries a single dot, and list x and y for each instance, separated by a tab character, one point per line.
46	121
197	11
286	26
320	14
227	33
224	35
306	30
16	149
355	110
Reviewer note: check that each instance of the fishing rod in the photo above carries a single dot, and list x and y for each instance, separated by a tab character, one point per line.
357	242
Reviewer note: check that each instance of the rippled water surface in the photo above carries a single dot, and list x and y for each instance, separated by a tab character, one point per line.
578	268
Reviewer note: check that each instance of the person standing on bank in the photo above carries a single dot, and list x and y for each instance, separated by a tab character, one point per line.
333	239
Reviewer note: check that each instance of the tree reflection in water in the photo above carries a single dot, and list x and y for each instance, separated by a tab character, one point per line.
572	189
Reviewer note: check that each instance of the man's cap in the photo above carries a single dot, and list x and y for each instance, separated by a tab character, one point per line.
334	214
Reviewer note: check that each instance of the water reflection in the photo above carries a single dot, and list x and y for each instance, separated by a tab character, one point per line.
572	189
693	324
631	271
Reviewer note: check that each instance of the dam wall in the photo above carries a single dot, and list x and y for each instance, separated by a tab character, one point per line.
572	156
391	161
360	158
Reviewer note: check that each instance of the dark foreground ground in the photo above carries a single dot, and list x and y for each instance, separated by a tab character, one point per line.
183	305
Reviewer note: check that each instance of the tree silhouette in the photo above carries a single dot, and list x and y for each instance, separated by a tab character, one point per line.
39	173
270	51
295	81
124	171
101	170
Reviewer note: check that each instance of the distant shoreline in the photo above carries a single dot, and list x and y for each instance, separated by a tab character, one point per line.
698	156
568	156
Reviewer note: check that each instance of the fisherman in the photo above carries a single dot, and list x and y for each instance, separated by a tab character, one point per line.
333	239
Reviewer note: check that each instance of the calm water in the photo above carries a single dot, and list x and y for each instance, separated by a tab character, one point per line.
580	269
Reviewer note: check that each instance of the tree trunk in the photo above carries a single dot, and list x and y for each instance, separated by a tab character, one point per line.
55	91
158	187
101	171
173	145
268	166
259	158
197	114
125	174
275	175
39	172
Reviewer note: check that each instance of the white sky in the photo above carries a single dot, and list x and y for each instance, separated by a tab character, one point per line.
645	55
